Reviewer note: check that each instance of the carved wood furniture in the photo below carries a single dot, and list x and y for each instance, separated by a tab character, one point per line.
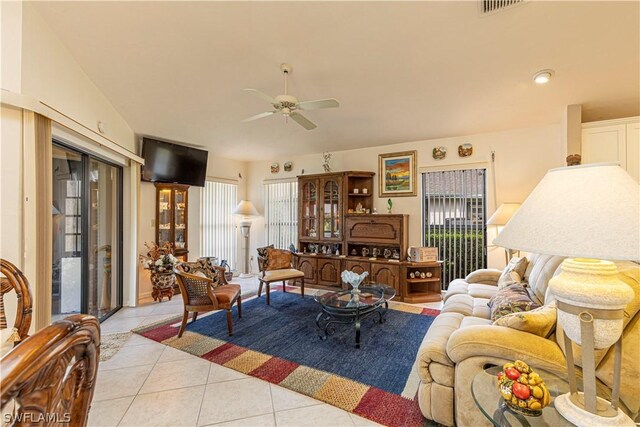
50	377
376	243
14	280
266	276
204	288
172	217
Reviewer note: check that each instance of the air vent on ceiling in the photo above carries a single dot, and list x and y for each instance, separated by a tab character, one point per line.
491	6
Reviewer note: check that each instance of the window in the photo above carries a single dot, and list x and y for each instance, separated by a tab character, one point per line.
219	199
281	213
454	213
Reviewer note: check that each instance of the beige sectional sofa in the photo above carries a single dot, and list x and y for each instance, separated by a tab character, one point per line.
462	341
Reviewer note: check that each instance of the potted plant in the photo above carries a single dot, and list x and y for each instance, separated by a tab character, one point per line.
160	262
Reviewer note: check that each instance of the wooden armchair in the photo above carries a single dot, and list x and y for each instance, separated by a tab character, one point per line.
204	288
13	279
276	265
50	377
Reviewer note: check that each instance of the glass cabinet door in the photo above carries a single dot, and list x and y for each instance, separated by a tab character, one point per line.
164	216
180	220
309	210
331	210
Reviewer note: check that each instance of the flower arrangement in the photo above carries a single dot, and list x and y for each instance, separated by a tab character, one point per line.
159	259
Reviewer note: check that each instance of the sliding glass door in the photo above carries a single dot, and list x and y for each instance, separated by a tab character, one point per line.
87	234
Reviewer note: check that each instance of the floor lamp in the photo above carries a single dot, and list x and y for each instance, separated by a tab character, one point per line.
246	212
591	214
500	218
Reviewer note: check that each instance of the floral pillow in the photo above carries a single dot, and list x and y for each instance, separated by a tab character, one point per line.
517	265
511	299
278	259
541	321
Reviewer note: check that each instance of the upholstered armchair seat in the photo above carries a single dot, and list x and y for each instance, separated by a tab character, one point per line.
285	274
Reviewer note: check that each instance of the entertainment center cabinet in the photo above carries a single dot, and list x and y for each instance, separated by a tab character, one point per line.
337	232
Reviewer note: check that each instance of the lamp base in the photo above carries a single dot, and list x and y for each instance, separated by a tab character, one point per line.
580	417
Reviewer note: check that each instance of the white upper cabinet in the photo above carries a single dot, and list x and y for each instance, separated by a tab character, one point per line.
613	141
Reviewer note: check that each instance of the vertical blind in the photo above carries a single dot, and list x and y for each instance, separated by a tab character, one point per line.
281	213
218	226
454	220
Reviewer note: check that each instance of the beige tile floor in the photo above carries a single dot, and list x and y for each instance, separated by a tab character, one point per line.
149	384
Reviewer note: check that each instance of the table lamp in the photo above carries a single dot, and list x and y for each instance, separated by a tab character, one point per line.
501	217
590	213
245	211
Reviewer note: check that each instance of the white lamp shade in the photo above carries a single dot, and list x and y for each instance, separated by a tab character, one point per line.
588	211
503	214
245	209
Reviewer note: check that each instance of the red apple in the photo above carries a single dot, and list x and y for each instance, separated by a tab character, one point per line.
521	391
500	375
512	373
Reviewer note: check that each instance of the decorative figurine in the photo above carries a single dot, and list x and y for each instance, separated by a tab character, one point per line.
275	168
354	252
439	153
412	275
396	254
429	274
375	252
389	205
423	275
365	252
288	166
465	150
327	161
387	253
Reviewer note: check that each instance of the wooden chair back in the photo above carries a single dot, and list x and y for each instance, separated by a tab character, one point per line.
13	279
50	377
195	290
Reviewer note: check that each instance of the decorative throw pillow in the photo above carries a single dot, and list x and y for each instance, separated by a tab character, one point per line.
541	321
512	299
278	259
518	265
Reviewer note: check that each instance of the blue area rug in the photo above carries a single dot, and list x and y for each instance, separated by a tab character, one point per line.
287	329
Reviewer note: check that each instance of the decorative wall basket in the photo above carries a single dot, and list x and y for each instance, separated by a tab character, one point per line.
163	284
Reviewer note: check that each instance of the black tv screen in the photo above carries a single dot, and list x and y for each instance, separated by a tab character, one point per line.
173	163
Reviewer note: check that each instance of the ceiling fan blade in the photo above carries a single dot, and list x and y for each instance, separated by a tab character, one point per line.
302	121
259	116
320	103
263	96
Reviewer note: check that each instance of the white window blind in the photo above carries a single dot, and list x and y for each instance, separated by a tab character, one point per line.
454	219
281	213
218	226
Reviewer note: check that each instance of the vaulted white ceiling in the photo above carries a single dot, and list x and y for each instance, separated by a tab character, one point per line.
402	71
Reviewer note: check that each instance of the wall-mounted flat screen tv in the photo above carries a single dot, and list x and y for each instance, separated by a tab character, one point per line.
173	163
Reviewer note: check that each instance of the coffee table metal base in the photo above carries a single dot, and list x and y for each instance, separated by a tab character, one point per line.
329	317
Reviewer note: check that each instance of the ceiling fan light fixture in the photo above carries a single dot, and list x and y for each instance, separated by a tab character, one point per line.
542	76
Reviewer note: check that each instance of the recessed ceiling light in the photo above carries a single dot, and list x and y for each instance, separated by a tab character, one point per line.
542	76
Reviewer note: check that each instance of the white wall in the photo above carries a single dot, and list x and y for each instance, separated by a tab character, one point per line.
11	195
522	158
37	65
217	167
52	75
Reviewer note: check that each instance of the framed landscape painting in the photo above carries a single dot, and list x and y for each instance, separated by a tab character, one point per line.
397	174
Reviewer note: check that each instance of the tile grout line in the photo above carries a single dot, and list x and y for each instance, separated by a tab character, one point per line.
206	384
138	392
273	409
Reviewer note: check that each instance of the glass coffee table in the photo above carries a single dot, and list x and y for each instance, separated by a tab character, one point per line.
484	389
352	306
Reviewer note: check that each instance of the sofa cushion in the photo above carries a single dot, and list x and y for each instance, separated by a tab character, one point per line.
516	265
467	306
541	321
540	270
511	299
456	287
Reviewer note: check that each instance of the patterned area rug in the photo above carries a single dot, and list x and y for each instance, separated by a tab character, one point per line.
280	343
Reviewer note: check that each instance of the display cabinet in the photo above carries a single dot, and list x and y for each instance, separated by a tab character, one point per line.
172	217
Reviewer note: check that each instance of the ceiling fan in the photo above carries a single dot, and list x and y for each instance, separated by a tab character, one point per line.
288	105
